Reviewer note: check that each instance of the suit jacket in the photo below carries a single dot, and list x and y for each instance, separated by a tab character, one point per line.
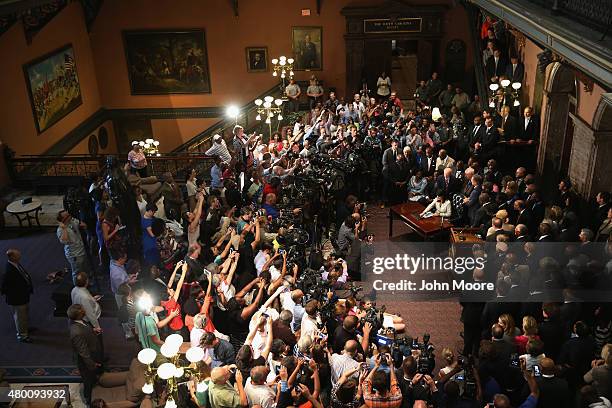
476	135
450	188
472	204
493	70
525	218
531	132
16	285
86	347
172	196
484	214
553	335
489	139
554	393
388	158
428	170
519	72
509	125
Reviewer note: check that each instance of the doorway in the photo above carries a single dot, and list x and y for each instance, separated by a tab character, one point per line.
404	63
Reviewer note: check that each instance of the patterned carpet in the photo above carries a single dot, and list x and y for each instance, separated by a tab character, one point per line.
50	354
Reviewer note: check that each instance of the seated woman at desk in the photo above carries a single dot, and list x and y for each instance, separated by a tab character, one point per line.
442	204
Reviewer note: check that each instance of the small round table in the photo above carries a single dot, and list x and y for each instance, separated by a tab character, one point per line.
23	211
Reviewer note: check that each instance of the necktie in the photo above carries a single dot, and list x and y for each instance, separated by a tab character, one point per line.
526	123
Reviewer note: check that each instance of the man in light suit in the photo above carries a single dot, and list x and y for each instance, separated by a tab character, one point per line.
515	71
86	348
17	287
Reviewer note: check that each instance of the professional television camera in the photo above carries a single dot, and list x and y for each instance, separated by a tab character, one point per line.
374	316
470	387
427	360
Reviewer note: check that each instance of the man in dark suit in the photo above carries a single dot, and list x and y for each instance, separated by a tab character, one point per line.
470	202
529	128
86	348
482	218
521	233
523	214
507	124
487	146
504	349
496	66
551	330
545	233
17	287
428	163
389	157
447	182
554	392
515	70
476	132
577	353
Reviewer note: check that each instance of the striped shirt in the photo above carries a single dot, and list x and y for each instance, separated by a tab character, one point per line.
219	149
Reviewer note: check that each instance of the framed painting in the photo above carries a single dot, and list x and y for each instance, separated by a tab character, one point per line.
53	86
167	61
257	59
307	44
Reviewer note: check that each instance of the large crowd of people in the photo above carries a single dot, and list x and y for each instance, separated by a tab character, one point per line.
232	261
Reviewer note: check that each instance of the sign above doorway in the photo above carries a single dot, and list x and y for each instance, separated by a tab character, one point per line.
387	25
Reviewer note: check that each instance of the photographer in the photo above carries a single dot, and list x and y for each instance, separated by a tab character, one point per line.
380	390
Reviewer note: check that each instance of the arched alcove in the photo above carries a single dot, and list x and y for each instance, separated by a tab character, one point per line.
558	131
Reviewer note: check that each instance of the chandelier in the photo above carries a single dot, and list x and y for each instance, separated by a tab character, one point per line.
150	147
283	65
173	370
269	107
509	93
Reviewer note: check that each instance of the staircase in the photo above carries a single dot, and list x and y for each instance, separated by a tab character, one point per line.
201	142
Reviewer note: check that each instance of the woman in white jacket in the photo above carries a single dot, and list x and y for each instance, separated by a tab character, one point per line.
442	205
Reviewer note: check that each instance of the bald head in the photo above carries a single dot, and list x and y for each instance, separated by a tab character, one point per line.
13	255
448	172
259	374
350	347
469	173
547	366
219	375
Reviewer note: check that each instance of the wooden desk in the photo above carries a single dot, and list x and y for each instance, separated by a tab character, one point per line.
409	214
465	236
461	240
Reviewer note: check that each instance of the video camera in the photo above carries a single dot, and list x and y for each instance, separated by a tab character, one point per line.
427	360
